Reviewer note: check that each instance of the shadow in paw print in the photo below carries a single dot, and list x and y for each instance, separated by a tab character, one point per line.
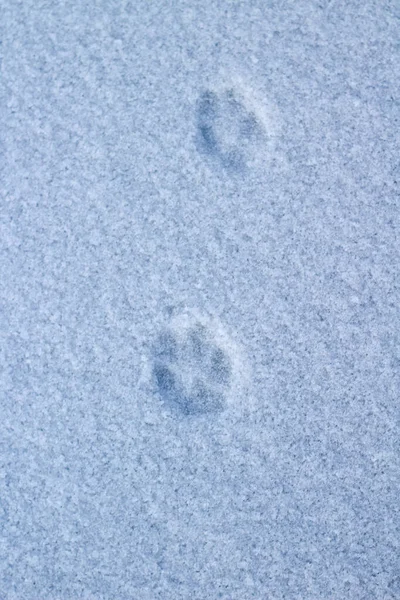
191	372
207	111
204	400
220	367
199	400
249	127
197	347
227	131
166	348
166	381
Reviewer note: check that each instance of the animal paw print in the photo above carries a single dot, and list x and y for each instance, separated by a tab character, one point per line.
228	130
191	370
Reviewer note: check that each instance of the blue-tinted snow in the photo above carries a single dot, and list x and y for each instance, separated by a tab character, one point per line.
199	300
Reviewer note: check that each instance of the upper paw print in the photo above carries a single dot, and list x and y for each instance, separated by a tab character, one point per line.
227	130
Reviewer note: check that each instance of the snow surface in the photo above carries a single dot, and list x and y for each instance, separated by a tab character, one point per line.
199	300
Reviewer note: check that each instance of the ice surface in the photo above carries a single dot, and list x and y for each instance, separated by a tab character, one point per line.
199	300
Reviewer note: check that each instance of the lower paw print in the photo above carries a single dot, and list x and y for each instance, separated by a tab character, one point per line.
193	367
231	129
